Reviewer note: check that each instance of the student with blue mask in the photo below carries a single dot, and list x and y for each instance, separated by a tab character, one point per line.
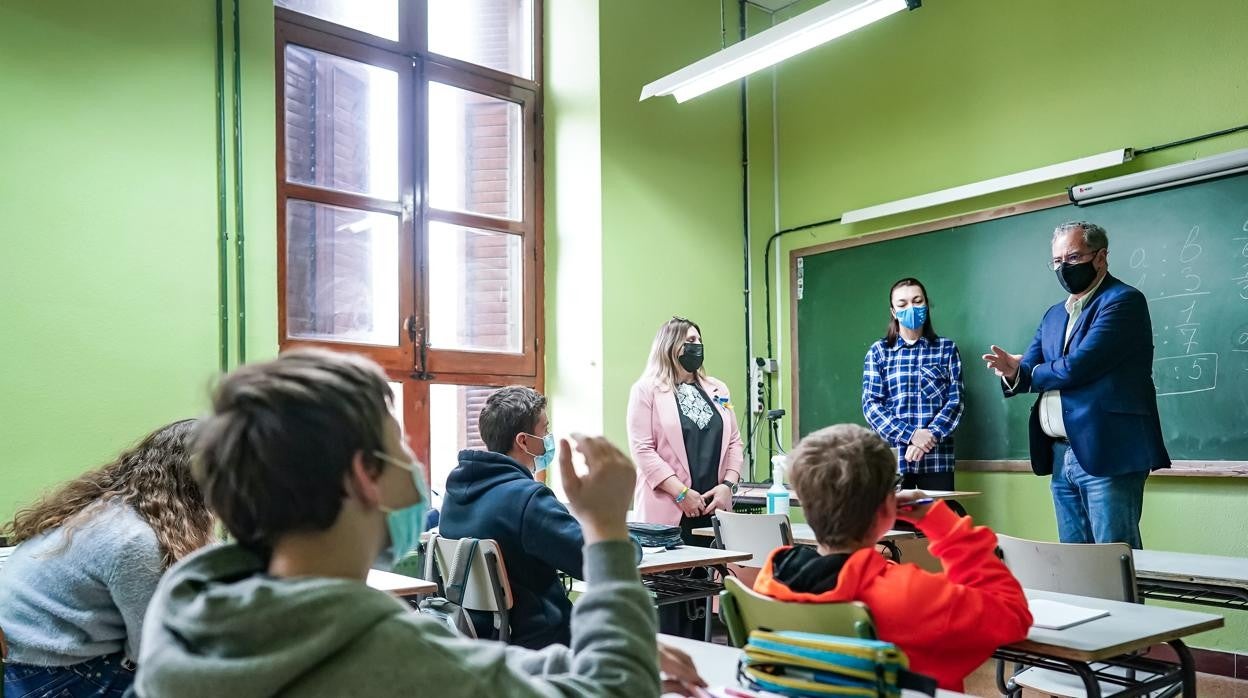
305	467
912	390
493	494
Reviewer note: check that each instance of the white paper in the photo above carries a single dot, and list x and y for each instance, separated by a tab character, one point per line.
1055	615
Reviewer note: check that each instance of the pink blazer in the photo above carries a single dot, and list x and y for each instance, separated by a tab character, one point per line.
658	446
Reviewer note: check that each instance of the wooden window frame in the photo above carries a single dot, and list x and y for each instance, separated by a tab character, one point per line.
413	363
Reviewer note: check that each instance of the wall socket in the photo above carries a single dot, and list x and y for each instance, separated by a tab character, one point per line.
756	389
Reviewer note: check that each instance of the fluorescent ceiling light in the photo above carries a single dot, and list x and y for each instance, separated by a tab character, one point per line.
989	186
767	48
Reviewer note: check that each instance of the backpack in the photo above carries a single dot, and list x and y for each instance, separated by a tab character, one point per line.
448	609
810	664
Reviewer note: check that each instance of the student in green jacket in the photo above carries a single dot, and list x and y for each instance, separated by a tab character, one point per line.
304	465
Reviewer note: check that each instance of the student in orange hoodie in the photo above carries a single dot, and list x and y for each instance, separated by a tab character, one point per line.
948	624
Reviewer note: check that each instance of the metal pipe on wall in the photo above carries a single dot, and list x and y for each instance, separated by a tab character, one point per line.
745	234
239	250
223	234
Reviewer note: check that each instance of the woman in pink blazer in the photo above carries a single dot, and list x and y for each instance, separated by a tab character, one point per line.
682	433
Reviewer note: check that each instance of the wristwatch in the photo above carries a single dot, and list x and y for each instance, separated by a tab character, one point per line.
731	485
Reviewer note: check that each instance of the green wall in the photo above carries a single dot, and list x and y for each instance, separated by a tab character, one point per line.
956	92
671	198
110	275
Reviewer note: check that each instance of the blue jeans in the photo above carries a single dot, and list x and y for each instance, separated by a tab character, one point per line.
102	677
1092	509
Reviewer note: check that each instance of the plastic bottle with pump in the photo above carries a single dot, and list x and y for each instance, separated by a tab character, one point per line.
778	494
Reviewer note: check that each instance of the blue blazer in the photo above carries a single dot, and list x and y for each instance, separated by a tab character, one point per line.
1105	373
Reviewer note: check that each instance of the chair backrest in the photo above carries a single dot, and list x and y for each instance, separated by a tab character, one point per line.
757	534
1102	570
488	588
743	609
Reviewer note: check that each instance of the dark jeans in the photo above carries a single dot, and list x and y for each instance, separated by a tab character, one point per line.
102	677
688	619
1095	509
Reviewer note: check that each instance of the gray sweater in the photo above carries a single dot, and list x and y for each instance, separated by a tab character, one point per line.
220	626
64	605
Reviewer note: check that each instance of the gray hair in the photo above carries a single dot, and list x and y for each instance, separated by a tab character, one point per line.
1094	236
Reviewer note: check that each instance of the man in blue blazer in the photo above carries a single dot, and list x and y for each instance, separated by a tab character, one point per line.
1095	427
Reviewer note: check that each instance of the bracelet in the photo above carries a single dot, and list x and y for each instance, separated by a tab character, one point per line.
681	497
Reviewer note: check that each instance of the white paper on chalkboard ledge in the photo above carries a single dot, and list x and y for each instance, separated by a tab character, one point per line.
1055	615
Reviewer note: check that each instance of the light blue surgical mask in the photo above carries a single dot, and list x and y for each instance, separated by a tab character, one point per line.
541	461
913	317
408	523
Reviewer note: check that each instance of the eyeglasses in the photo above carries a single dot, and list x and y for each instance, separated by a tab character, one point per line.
897	482
1071	259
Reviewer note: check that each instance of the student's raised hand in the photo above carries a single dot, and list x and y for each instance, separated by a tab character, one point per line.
601	497
923	439
912	512
719	497
1003	363
693	505
680	676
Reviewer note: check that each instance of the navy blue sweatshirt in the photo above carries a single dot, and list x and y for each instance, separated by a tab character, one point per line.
492	496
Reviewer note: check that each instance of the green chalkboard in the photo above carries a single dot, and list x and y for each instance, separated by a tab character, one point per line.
1185	248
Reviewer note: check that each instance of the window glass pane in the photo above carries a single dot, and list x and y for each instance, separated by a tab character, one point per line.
453	411
497	34
342	274
377	17
396	409
342	124
475	292
474	153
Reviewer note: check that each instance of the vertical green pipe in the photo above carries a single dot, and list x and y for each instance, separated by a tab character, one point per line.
223	235
239	251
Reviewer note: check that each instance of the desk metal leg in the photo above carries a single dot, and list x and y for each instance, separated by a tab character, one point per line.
1187	665
1091	686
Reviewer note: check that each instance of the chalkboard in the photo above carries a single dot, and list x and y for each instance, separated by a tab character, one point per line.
1185	248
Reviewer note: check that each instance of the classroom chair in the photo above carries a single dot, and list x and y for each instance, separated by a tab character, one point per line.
742	609
1102	570
757	534
484	582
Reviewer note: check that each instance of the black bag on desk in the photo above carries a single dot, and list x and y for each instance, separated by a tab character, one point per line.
651	535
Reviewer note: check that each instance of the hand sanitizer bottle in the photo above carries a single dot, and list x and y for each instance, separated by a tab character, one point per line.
777	494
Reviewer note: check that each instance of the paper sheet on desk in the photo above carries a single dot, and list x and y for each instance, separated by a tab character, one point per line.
651	551
1055	615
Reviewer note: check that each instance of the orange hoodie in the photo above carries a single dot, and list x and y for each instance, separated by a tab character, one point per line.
948	624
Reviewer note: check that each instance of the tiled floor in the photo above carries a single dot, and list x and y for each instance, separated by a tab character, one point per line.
982	683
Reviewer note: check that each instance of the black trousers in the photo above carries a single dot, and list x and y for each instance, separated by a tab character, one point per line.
930	481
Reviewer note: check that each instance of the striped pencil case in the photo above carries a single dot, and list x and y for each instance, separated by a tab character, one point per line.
811	664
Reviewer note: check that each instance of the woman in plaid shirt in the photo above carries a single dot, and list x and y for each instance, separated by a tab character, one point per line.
912	390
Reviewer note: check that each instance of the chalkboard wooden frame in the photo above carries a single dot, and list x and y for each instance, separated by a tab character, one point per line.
1181	468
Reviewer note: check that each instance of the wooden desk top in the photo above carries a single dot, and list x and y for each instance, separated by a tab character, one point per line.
803	534
688	557
1128	627
400	585
1190	567
717	664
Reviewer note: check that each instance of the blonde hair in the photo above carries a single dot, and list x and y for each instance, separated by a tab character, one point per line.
661	367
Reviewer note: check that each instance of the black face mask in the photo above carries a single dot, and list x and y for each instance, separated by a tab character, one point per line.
692	359
1076	278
